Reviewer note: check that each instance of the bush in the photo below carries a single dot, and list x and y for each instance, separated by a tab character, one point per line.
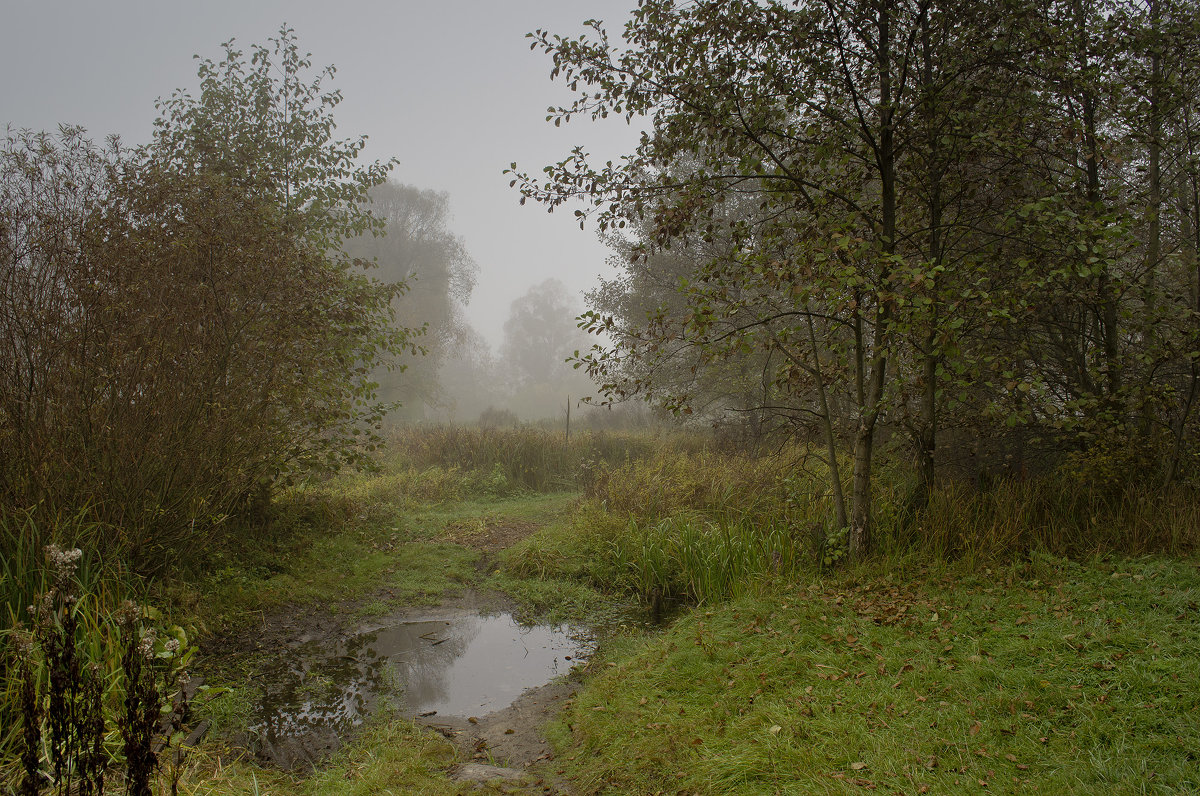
178	325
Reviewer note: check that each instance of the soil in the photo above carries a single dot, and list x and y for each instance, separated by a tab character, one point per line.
512	738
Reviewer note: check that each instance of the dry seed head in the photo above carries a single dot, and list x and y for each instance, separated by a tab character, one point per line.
128	615
63	562
22	645
146	645
43	611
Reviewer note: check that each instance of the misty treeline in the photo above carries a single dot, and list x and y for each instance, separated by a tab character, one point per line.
458	377
526	378
180	323
936	227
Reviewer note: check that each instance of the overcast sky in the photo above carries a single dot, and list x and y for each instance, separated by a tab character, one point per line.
448	87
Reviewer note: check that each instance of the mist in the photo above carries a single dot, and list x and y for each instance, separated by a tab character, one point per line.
453	97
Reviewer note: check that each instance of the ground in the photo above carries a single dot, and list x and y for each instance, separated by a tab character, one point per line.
1036	675
505	743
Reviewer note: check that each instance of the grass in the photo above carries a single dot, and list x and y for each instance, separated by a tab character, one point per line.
373	557
940	666
388	757
388	556
540	460
1050	676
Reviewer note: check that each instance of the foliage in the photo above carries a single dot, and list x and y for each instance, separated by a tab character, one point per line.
417	249
706	527
85	671
180	326
903	215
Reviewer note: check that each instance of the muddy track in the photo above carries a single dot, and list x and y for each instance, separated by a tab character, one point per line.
506	744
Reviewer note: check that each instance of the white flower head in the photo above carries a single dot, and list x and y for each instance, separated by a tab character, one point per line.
146	645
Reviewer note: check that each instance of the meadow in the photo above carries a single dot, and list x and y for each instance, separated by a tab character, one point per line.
1036	635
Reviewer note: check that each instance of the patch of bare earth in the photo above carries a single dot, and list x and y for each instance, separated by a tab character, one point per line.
489	535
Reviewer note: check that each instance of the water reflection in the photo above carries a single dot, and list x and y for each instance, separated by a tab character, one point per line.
457	664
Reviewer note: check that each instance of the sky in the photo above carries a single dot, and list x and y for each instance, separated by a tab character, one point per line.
449	88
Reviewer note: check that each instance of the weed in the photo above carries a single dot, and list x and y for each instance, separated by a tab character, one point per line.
66	687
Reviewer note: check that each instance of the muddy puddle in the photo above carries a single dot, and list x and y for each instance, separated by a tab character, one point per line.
457	663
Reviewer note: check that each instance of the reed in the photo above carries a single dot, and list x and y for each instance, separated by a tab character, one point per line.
1055	514
706	526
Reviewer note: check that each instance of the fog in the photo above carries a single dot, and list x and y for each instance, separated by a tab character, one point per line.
449	89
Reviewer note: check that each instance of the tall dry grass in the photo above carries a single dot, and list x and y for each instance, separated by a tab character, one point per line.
1055	514
707	525
535	459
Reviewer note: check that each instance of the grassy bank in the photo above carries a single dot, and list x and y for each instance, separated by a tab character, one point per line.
1053	677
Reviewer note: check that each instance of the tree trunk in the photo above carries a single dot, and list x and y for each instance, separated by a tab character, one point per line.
927	431
861	531
861	541
835	474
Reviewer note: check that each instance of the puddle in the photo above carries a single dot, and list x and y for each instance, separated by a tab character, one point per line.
449	663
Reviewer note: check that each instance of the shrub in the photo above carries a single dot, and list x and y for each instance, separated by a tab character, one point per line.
178	324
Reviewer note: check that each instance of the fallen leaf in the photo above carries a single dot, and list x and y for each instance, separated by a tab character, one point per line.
975	728
858	766
775	730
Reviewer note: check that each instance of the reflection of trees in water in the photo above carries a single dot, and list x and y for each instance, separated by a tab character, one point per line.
422	655
502	659
315	691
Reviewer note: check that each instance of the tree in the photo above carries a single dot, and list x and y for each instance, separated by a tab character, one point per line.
419	251
540	334
839	122
739	390
920	211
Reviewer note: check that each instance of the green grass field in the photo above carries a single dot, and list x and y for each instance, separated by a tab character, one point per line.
1000	668
1051	677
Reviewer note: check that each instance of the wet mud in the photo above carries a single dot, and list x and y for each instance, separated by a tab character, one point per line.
470	670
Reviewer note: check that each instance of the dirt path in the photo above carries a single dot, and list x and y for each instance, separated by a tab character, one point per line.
506	744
